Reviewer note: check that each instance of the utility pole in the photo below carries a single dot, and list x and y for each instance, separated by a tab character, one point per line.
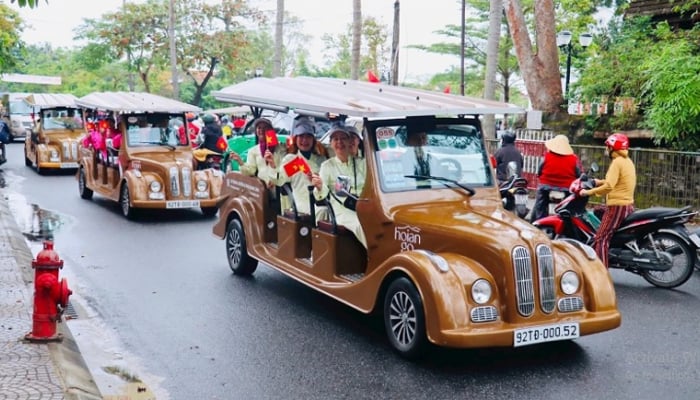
173	53
130	76
395	47
279	35
461	49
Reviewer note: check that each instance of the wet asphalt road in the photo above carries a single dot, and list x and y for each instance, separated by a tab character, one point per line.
163	287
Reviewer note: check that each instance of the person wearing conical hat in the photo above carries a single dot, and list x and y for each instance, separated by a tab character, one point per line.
559	167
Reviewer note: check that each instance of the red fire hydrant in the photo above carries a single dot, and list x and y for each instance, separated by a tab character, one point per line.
50	295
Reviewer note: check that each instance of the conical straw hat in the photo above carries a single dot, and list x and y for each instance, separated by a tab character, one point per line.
560	145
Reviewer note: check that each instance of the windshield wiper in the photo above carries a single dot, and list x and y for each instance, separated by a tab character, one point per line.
170	146
444	181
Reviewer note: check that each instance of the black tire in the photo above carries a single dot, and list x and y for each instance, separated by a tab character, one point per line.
125	202
83	190
209	212
404	319
682	257
27	161
39	170
236	252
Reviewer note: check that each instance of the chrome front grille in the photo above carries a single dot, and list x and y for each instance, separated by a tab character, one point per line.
187	182
484	314
570	304
524	290
174	182
545	266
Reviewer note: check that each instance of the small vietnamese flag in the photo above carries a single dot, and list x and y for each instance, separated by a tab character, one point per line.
271	138
298	164
371	77
221	144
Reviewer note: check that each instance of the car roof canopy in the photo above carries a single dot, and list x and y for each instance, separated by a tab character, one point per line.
134	102
51	100
329	96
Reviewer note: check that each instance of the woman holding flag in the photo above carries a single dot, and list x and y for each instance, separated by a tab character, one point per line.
302	159
346	165
264	159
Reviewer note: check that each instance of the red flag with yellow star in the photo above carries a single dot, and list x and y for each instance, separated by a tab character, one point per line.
271	138
298	164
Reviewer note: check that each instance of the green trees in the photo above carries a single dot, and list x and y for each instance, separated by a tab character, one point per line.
10	44
657	67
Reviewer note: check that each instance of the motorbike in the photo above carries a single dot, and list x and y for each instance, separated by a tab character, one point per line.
4	138
514	192
652	243
205	158
695	240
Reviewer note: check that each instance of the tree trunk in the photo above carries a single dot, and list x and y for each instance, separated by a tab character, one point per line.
495	13
356	39
277	62
539	68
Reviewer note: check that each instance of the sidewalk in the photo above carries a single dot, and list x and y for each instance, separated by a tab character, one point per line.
33	371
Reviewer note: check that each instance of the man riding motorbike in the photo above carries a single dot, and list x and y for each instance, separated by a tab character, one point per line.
210	150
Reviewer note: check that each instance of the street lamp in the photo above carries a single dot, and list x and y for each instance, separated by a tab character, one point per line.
564	43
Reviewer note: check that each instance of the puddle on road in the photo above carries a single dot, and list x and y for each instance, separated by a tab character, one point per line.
41	224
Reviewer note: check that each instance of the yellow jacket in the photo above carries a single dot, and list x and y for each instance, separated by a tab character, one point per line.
619	181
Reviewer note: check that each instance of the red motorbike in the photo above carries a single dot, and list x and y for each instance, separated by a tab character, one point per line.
652	243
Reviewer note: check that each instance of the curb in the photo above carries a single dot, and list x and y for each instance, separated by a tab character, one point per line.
68	363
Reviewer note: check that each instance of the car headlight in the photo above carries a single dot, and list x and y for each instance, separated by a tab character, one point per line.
481	291
54	153
155	186
201	185
569	282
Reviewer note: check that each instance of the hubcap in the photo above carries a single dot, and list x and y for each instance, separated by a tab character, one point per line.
233	243
402	316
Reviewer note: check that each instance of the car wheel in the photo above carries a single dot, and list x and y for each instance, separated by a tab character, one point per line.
209	212
125	202
404	319
27	161
238	259
38	168
85	192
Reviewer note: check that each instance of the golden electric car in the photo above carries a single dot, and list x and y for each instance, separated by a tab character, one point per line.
443	262
135	154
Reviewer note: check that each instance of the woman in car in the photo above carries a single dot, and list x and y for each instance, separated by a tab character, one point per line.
302	150
342	164
263	160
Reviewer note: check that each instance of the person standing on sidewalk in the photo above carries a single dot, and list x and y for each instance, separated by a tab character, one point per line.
559	168
618	185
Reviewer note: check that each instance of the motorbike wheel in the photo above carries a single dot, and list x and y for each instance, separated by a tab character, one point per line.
681	257
236	252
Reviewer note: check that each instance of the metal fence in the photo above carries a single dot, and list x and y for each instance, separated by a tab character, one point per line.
664	178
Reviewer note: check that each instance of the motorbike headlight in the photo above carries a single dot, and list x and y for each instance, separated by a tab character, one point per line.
156	186
481	291
569	282
201	185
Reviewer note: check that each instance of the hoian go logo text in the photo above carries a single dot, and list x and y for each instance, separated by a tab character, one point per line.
408	236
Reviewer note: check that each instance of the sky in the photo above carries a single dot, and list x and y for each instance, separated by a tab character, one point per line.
54	23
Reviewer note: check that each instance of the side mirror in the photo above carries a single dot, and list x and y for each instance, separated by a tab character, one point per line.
342	185
594	167
109	143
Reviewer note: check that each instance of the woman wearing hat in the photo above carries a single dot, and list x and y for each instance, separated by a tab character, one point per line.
303	145
343	163
558	169
262	160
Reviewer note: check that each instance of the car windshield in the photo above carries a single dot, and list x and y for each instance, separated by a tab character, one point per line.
155	130
20	107
61	119
424	156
